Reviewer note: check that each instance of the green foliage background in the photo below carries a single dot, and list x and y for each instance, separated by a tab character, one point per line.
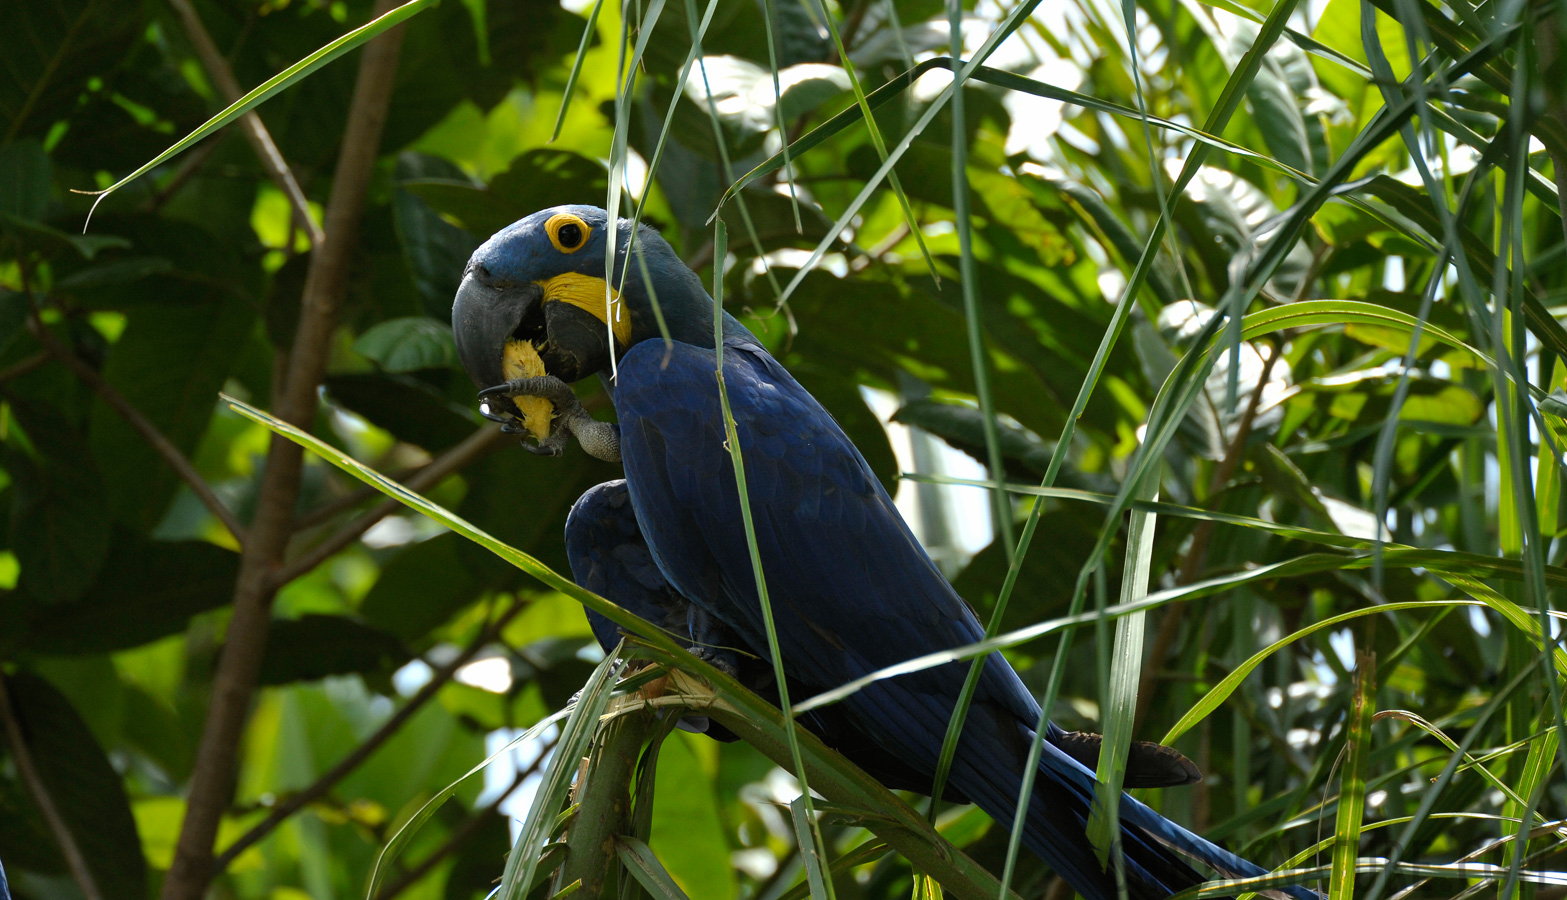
1325	417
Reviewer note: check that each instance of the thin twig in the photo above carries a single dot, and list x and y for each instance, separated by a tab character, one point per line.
23	757
142	426
358	755
272	160
331	509
453	460
326	283
30	364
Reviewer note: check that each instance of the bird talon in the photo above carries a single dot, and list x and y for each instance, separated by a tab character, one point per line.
540	449
547	387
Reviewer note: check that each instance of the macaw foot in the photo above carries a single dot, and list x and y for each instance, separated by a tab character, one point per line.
600	440
723	659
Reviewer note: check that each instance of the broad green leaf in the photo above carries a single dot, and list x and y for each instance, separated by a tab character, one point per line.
537	179
83	784
315	646
409	344
169	364
24	179
60	530
135	600
688	830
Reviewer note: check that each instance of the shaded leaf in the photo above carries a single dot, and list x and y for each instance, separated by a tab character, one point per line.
169	364
537	179
410	409
409	344
421	587
83	785
313	646
147	590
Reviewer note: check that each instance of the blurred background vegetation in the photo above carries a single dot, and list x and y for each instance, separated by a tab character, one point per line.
202	629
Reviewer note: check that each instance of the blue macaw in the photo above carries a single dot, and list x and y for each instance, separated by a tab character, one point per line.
851	588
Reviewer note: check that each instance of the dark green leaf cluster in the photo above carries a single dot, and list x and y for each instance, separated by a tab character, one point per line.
1281	289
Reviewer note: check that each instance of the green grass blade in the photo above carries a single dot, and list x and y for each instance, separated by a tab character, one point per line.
1352	793
267	89
652	171
617	166
1209	587
569	90
1120	704
405	833
1496	702
1234	90
723	156
875	132
639	860
769	22
1514	801
1227	686
1186	383
1016	16
805	840
1012	82
1000	502
1365	865
732	438
654	636
1533	785
859	856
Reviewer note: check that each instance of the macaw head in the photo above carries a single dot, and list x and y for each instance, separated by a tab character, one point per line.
541	280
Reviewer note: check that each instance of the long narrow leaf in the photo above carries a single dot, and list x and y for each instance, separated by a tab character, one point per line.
639	860
276	83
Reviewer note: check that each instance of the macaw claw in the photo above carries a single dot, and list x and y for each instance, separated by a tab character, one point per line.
600	440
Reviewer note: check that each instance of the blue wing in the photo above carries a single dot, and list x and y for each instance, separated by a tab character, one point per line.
852	591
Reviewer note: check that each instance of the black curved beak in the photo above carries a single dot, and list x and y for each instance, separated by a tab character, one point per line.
484	317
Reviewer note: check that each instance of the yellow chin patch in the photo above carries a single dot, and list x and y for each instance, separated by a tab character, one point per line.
521	360
587	292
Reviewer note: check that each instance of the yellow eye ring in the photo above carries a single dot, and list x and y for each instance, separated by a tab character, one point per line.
567	232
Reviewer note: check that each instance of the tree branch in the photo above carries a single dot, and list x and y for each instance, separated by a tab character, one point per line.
74	860
234	683
604	796
24	367
358	755
453	460
133	417
272	161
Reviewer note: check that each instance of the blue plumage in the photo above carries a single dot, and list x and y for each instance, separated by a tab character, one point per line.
852	589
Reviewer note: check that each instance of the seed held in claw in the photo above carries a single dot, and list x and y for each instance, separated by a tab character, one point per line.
521	360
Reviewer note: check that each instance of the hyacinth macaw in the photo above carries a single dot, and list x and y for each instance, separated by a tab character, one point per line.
852	590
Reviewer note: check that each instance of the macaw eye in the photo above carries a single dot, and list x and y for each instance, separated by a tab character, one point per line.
567	232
